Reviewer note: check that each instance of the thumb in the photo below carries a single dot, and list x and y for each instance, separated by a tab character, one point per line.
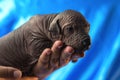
10	72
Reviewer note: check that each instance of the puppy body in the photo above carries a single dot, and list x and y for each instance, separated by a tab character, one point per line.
22	47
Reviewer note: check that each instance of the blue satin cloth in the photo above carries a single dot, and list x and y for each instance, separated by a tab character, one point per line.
102	60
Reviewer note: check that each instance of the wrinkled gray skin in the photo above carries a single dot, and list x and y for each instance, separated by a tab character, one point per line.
22	47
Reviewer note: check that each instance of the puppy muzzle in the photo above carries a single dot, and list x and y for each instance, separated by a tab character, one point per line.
86	43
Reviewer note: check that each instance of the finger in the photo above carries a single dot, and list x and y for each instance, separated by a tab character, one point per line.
75	56
66	55
9	72
29	78
43	61
44	58
56	53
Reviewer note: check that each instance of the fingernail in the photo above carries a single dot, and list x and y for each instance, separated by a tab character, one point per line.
71	50
17	74
59	47
48	53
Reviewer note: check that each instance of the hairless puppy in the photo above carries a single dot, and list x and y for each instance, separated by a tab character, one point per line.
22	48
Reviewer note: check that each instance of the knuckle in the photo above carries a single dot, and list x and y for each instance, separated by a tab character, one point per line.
44	62
54	60
67	55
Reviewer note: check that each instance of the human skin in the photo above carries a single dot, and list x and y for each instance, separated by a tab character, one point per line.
55	50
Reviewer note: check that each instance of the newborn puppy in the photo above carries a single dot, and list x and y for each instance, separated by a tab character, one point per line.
22	47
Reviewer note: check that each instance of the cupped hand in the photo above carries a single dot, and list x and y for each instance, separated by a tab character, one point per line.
51	59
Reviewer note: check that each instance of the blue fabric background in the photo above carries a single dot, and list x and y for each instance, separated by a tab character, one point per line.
102	61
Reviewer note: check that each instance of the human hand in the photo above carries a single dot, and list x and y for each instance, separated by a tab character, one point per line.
9	73
50	60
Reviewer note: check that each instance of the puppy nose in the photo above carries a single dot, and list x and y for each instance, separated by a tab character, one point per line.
86	43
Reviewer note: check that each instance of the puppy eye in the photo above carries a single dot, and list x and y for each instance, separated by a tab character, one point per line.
70	29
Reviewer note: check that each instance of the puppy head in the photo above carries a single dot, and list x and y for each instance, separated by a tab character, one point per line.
72	28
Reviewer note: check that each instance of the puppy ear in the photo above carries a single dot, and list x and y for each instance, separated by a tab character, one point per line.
55	27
